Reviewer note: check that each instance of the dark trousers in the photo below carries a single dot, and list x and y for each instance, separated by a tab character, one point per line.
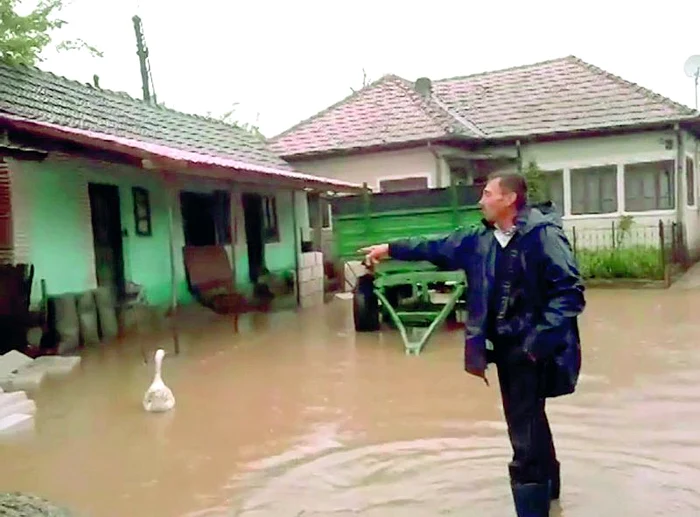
521	382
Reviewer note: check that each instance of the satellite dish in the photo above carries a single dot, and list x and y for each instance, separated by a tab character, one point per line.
692	69
692	66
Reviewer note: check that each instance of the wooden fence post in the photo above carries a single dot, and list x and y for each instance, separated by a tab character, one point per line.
662	251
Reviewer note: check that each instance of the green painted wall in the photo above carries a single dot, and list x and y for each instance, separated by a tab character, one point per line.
53	224
279	256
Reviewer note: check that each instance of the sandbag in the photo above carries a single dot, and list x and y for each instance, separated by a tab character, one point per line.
106	314
66	322
87	317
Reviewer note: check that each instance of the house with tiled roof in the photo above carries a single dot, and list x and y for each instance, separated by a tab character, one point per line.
608	147
98	188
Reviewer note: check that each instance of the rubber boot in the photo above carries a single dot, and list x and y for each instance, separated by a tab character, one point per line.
555	481
531	499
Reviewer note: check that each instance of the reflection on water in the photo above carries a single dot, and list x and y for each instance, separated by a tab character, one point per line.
295	417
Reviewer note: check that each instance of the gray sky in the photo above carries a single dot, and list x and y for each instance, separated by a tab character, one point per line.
286	60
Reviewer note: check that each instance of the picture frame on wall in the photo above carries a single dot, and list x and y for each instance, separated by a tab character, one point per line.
142	211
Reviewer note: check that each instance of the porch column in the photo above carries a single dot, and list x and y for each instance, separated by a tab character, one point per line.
170	189
297	246
318	226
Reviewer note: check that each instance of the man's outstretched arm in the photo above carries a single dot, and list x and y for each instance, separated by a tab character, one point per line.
444	252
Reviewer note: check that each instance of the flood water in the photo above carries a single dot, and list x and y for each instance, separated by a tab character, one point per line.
299	416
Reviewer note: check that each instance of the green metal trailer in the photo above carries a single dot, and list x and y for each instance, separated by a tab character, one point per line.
414	297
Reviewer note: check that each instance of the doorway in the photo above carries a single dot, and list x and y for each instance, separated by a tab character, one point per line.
253	216
206	218
197	219
107	237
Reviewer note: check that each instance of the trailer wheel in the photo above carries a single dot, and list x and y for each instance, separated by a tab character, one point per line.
365	305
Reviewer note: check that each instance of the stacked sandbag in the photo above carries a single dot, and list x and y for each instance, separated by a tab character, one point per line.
106	314
67	324
87	319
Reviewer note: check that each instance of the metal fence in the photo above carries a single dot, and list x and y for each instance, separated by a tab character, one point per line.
625	249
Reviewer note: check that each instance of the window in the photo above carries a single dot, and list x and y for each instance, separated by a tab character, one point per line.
142	211
649	186
403	184
690	181
325	211
206	218
594	190
270	224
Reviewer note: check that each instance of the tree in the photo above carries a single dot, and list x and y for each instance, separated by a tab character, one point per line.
365	82
228	118
537	185
24	37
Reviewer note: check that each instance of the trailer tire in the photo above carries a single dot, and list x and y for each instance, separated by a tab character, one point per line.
365	305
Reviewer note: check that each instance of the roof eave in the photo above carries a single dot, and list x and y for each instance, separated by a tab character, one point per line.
244	172
368	149
593	132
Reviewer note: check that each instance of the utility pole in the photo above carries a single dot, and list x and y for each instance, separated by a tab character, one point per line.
142	52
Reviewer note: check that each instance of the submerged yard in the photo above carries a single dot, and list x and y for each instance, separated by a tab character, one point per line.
297	415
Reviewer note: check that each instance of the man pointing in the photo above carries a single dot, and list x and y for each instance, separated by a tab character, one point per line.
524	295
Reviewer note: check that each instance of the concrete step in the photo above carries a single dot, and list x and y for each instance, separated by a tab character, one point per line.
25	407
16	423
55	365
26	379
8	399
12	361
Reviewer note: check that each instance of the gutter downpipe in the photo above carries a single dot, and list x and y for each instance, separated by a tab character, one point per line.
438	168
297	247
519	155
680	179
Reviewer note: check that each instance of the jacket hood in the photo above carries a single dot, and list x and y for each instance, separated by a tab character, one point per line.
540	214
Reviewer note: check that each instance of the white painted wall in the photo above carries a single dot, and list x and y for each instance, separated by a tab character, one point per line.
372	168
563	155
610	150
692	212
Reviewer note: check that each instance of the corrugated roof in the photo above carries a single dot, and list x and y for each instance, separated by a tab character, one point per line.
558	96
181	159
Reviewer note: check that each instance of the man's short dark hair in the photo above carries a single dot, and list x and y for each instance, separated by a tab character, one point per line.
512	182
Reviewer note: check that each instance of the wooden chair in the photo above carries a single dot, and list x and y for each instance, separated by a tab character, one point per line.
210	278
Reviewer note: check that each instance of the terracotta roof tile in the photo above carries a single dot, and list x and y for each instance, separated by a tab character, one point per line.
388	111
560	95
555	96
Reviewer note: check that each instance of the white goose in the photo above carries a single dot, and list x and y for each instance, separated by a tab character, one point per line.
158	397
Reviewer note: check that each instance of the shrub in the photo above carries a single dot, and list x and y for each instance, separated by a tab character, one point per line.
642	262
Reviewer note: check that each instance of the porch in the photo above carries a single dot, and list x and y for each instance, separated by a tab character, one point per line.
92	218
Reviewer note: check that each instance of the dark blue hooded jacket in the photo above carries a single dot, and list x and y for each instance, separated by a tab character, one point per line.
539	312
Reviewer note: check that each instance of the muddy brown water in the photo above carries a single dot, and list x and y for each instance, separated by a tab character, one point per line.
299	416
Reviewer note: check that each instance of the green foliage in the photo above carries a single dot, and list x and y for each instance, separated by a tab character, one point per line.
228	118
642	262
624	227
24	37
621	260
537	186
